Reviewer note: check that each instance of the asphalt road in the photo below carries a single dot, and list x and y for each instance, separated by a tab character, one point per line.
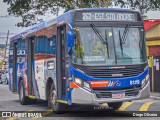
9	102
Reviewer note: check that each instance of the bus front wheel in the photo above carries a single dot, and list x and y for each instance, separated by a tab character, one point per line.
57	107
115	105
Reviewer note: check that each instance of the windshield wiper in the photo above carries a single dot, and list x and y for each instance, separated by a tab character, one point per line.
124	37
106	42
96	30
125	33
120	40
101	37
142	47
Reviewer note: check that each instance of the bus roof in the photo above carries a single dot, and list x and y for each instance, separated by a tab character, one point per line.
48	23
119	9
34	28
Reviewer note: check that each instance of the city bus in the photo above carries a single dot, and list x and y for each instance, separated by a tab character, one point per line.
86	56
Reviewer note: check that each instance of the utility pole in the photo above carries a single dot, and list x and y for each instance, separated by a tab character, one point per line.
57	9
4	61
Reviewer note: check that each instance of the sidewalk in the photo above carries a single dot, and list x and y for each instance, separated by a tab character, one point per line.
154	95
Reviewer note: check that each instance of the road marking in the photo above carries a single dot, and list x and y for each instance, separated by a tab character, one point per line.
104	105
43	114
145	106
15	118
124	106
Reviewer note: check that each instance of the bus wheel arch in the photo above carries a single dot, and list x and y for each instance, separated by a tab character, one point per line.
52	93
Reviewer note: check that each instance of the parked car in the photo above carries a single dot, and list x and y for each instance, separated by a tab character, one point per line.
4	77
1	72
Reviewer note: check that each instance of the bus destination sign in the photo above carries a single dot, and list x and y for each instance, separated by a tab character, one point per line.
103	16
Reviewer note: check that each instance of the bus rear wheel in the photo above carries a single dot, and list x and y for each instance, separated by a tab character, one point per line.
22	98
115	105
57	107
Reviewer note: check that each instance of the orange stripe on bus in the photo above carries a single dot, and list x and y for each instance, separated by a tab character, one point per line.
99	83
73	85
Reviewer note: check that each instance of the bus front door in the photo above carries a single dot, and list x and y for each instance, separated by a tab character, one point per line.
30	67
14	72
61	60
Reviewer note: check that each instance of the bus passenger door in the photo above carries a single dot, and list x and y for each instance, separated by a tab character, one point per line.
14	71
61	61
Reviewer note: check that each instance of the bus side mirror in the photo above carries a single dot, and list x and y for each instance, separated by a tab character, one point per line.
70	37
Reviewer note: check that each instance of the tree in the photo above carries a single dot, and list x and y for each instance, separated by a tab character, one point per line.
32	10
143	6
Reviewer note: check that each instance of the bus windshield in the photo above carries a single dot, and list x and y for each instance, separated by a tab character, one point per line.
109	46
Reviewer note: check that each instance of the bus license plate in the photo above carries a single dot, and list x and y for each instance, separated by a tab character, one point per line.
118	94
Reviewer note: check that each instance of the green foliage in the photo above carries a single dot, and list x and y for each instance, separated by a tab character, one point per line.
31	10
142	5
1	62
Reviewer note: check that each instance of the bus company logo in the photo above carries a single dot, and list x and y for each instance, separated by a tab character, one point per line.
111	83
118	83
117	75
118	67
6	114
114	83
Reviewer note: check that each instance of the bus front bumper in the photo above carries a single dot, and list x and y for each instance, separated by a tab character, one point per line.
82	96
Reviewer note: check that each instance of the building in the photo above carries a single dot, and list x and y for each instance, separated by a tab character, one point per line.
152	30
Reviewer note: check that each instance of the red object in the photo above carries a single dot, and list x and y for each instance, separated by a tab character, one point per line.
154	51
148	24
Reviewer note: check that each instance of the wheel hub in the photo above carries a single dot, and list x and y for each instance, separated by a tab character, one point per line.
21	93
53	97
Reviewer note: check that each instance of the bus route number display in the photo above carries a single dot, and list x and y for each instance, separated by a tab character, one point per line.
110	16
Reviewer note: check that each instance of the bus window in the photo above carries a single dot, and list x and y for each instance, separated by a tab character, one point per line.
22	50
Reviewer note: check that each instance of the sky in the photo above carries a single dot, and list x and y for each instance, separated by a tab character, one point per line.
8	23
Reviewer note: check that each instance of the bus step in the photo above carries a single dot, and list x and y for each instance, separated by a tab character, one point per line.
62	101
32	97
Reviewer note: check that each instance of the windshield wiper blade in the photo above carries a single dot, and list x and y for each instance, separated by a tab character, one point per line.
103	40
106	42
142	46
121	44
124	37
125	33
95	29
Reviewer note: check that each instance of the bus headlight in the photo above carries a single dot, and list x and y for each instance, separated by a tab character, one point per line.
144	81
78	81
147	76
82	83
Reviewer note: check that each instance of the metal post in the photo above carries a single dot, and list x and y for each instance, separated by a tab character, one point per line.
5	50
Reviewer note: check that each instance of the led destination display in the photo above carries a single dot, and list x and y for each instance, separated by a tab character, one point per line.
105	16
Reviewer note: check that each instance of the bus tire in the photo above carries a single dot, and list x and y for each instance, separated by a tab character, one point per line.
22	98
115	105
57	107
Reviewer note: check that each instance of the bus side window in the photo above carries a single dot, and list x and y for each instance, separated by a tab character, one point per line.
50	47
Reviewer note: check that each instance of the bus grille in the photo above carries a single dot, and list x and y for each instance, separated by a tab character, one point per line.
113	73
108	94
